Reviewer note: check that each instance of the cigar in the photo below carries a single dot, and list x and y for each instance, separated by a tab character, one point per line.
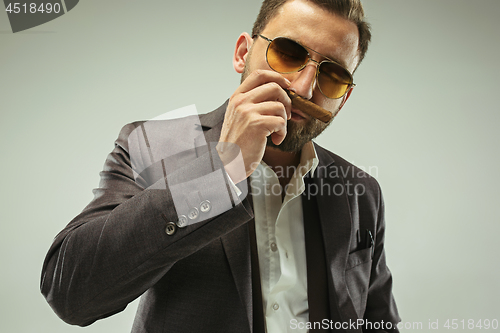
309	107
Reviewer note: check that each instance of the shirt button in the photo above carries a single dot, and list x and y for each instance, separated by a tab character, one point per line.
276	306
274	247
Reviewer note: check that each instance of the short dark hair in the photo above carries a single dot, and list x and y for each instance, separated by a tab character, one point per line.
351	10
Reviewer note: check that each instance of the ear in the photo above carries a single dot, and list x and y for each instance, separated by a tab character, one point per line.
243	45
345	98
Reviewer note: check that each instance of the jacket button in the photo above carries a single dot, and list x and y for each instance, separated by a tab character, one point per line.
171	228
205	206
193	213
182	222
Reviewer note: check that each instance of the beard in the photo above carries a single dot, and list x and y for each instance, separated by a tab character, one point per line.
297	134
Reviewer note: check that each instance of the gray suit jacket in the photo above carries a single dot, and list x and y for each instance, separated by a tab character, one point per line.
199	278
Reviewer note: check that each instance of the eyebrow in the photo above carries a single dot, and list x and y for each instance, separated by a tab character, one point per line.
341	63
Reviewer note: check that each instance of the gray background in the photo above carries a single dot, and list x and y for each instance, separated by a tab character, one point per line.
424	117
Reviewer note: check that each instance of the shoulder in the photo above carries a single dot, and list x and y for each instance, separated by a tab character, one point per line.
332	166
167	132
173	127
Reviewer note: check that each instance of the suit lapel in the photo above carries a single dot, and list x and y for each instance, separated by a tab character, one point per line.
237	248
236	244
336	224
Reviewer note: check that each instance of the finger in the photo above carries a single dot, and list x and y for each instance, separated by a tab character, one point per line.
276	127
270	108
277	138
270	92
260	77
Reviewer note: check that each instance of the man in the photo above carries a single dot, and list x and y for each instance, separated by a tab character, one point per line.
302	252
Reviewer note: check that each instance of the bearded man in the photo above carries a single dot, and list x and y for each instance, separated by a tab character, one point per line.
302	251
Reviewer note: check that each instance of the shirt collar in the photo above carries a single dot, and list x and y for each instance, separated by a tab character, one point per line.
309	157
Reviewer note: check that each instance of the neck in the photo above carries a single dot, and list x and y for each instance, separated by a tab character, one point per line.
283	163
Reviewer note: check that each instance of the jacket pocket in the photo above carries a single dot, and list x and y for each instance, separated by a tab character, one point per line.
357	275
358	258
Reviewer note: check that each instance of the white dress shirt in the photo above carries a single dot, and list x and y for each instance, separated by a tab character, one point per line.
280	243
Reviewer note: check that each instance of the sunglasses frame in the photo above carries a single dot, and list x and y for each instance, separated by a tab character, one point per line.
328	60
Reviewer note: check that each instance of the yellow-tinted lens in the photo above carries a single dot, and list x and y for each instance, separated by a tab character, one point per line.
286	56
333	80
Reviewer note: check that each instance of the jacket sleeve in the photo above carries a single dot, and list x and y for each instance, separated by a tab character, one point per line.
117	248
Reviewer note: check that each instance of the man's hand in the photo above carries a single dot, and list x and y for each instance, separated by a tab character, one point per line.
258	108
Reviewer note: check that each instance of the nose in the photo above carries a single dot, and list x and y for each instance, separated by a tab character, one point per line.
305	80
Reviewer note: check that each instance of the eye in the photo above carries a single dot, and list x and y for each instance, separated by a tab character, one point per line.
289	51
332	76
287	56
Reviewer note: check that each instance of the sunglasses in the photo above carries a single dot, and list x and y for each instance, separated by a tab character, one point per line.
285	56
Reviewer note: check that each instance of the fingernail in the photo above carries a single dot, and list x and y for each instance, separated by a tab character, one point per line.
288	81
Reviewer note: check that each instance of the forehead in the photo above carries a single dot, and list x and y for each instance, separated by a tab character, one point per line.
318	29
